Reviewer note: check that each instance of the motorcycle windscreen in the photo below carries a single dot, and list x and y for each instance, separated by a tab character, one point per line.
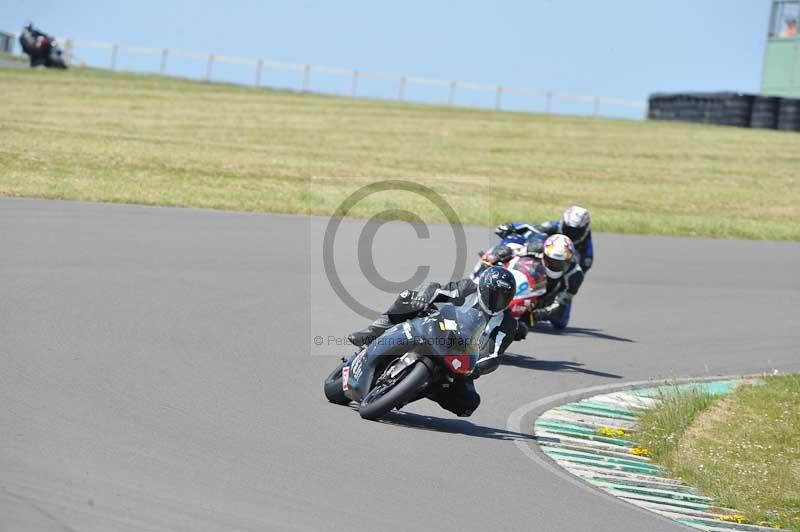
456	334
539	277
513	240
535	243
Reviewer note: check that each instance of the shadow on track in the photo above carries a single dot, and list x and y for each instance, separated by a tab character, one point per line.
521	361
581	331
451	426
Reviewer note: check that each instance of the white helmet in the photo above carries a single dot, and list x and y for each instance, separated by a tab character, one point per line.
558	253
576	223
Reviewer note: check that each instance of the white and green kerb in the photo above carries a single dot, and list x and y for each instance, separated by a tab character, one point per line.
591	439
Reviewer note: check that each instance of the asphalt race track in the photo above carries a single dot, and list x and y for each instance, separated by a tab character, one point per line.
157	372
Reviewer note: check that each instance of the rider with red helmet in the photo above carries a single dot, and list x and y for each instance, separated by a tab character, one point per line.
564	278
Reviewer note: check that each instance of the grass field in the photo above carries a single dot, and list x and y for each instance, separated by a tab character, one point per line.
15	58
95	135
743	450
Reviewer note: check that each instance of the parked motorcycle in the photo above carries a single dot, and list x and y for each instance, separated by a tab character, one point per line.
41	48
410	361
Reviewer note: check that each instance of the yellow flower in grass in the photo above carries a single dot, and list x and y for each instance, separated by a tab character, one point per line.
641	451
613	432
732	518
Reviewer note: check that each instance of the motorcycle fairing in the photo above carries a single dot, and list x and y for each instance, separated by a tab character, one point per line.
452	331
394	343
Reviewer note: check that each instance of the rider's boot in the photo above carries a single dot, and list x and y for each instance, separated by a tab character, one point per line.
459	397
561	323
372	331
522	331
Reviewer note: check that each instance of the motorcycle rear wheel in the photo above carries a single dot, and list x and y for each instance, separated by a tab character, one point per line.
333	387
382	399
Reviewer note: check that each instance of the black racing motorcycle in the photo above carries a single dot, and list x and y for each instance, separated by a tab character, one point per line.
409	361
41	48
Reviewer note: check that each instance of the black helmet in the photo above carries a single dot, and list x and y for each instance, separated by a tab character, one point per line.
496	289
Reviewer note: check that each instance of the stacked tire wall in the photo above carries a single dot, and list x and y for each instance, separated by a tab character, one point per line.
6	42
789	114
727	109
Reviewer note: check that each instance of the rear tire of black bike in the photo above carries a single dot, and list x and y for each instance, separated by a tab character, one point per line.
381	401
333	387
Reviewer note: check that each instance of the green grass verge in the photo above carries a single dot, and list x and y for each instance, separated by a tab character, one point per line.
743	449
15	58
96	135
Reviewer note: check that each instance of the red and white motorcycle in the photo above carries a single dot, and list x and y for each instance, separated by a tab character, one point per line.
531	284
523	259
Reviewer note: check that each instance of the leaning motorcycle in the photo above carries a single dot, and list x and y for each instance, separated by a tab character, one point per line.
522	255
410	361
531	281
41	48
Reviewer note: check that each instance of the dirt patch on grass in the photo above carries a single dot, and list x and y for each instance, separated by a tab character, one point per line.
704	425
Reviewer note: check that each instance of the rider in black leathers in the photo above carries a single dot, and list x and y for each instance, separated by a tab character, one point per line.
491	294
41	48
554	306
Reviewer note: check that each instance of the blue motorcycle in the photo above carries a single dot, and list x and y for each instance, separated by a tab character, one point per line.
510	246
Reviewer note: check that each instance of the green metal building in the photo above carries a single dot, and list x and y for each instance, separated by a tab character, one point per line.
781	74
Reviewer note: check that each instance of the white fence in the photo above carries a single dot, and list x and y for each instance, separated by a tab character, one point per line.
599	105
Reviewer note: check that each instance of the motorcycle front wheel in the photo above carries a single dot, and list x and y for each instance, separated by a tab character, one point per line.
383	398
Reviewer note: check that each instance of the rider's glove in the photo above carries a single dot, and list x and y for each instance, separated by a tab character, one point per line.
407	305
522	331
419	301
503	230
503	253
413	301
